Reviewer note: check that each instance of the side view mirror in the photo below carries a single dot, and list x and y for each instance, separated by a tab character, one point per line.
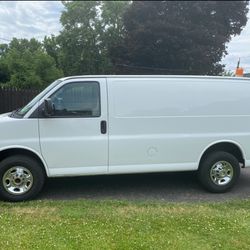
49	108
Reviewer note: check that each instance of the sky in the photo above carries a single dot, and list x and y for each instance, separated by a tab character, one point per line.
27	19
239	47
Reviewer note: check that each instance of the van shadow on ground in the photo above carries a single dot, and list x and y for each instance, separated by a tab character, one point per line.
161	186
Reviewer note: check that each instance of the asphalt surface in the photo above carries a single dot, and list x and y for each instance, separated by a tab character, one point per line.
161	186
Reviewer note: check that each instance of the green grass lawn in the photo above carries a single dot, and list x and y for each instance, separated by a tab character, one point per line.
88	224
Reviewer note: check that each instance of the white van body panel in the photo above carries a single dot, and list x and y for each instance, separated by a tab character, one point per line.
154	124
23	132
170	122
75	146
225	141
20	134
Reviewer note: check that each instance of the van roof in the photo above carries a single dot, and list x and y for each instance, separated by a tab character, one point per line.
157	76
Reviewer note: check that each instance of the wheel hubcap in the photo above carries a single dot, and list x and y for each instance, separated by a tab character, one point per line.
221	173
17	180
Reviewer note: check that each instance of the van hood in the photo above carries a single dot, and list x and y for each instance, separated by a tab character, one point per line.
18	132
5	114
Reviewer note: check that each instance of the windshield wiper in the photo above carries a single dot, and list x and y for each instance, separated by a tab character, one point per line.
15	113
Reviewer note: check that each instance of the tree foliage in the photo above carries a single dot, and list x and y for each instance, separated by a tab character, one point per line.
24	64
90	30
178	37
79	38
112	13
139	37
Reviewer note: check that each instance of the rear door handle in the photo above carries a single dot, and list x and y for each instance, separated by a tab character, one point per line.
103	127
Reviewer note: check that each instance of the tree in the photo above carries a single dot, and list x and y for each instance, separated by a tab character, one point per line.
80	38
4	71
228	73
3	49
178	37
112	13
52	48
26	64
90	30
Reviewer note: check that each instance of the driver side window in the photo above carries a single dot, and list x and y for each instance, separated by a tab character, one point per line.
78	99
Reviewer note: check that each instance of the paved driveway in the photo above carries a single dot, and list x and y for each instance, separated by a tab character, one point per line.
160	186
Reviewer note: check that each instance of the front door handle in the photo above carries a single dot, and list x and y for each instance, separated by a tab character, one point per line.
103	127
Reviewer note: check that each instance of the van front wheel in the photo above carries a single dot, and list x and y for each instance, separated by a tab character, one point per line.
21	178
219	172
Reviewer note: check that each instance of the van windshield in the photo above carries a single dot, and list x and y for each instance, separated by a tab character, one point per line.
19	113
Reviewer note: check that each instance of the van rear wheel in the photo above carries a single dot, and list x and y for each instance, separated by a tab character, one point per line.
219	171
21	178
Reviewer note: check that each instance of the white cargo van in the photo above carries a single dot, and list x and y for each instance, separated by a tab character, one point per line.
90	125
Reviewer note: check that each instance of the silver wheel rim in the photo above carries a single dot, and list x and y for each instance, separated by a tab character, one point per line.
17	180
221	173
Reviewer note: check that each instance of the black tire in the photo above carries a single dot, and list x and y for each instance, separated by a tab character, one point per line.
209	179
20	166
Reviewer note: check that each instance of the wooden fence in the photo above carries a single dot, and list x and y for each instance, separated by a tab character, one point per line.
12	98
